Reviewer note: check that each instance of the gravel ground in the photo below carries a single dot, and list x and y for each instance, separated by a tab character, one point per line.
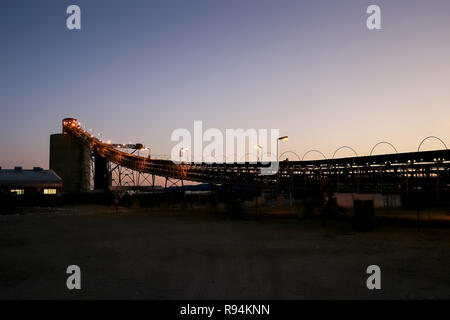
141	255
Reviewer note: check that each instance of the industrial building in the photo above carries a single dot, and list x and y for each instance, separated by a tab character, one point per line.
35	187
71	160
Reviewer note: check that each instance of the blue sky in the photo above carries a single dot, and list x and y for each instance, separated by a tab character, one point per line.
140	69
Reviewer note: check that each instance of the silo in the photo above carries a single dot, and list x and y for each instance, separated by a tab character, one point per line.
70	158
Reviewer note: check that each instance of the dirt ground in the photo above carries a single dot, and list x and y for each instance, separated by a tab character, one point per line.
135	254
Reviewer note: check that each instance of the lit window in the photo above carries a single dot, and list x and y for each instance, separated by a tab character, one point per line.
49	191
18	192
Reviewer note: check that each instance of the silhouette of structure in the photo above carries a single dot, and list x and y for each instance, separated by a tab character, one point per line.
422	172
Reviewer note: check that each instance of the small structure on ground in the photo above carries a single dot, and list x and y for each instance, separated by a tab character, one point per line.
35	187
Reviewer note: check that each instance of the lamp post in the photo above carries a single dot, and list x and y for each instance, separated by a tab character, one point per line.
181	152
258	147
283	138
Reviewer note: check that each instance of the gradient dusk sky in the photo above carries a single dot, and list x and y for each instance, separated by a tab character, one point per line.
140	69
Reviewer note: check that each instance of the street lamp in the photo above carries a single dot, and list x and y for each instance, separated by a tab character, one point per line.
283	138
181	152
257	147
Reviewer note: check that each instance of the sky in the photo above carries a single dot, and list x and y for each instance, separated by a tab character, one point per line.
137	70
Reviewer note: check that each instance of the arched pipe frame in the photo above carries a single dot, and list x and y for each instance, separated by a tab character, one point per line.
383	142
344	147
311	151
431	137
